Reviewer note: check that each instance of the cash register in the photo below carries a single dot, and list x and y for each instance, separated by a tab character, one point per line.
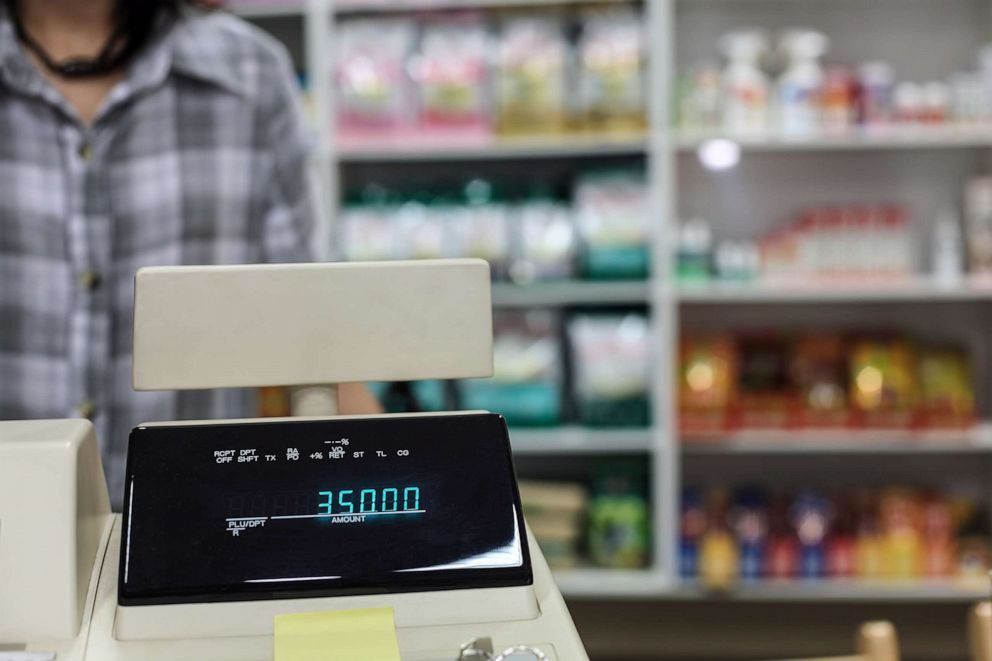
227	524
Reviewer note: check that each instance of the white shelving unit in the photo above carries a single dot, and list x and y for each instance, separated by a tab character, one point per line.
574	440
571	293
842	442
921	165
917	291
387	7
840	590
584	146
936	137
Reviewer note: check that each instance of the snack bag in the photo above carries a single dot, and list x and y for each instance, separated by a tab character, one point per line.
373	89
611	71
368	227
820	372
612	209
452	74
767	398
526	384
619	518
946	389
707	382
530	74
883	387
612	356
546	249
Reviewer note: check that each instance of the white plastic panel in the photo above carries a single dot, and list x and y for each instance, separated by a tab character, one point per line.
297	324
54	510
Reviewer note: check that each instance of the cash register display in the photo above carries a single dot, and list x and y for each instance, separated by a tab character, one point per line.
307	508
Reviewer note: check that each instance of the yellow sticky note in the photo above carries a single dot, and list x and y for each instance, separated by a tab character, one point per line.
365	634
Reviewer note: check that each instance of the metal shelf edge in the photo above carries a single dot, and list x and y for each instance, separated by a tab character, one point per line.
580	440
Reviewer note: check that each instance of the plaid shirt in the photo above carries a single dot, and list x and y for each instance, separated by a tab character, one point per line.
199	156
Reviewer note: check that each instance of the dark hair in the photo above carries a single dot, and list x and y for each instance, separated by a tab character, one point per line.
136	22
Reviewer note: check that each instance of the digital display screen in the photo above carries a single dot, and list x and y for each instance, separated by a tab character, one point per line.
305	508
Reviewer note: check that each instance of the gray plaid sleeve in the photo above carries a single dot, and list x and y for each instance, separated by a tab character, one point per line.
289	219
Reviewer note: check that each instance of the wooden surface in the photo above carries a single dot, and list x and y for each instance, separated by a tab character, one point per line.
733	631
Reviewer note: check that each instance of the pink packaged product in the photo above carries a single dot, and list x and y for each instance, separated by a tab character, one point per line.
451	71
373	90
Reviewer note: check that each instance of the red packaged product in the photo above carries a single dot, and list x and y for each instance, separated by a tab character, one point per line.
841	556
707	383
820	373
842	547
782	556
838	100
767	394
939	546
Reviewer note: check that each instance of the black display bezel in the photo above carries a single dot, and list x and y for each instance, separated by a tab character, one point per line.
429	580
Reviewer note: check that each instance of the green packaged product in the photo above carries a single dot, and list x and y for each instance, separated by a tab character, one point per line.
619	517
612	209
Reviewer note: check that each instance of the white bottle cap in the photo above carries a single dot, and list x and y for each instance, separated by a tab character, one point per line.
747	44
801	43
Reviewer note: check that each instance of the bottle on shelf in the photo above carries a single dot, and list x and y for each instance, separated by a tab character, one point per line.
978	219
749	519
782	559
798	90
737	261
838	101
745	85
908	102
867	545
876	81
719	558
811	520
693	526
700	98
948	250
841	542
695	251
939	547
902	551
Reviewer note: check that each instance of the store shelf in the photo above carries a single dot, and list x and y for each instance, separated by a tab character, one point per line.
571	292
842	590
939	137
644	584
564	146
580	440
266	8
388	7
675	186
917	290
825	442
611	583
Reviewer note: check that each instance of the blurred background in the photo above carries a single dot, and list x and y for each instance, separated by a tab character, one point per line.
742	270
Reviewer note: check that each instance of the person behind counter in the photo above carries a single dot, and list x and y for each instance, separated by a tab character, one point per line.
133	133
